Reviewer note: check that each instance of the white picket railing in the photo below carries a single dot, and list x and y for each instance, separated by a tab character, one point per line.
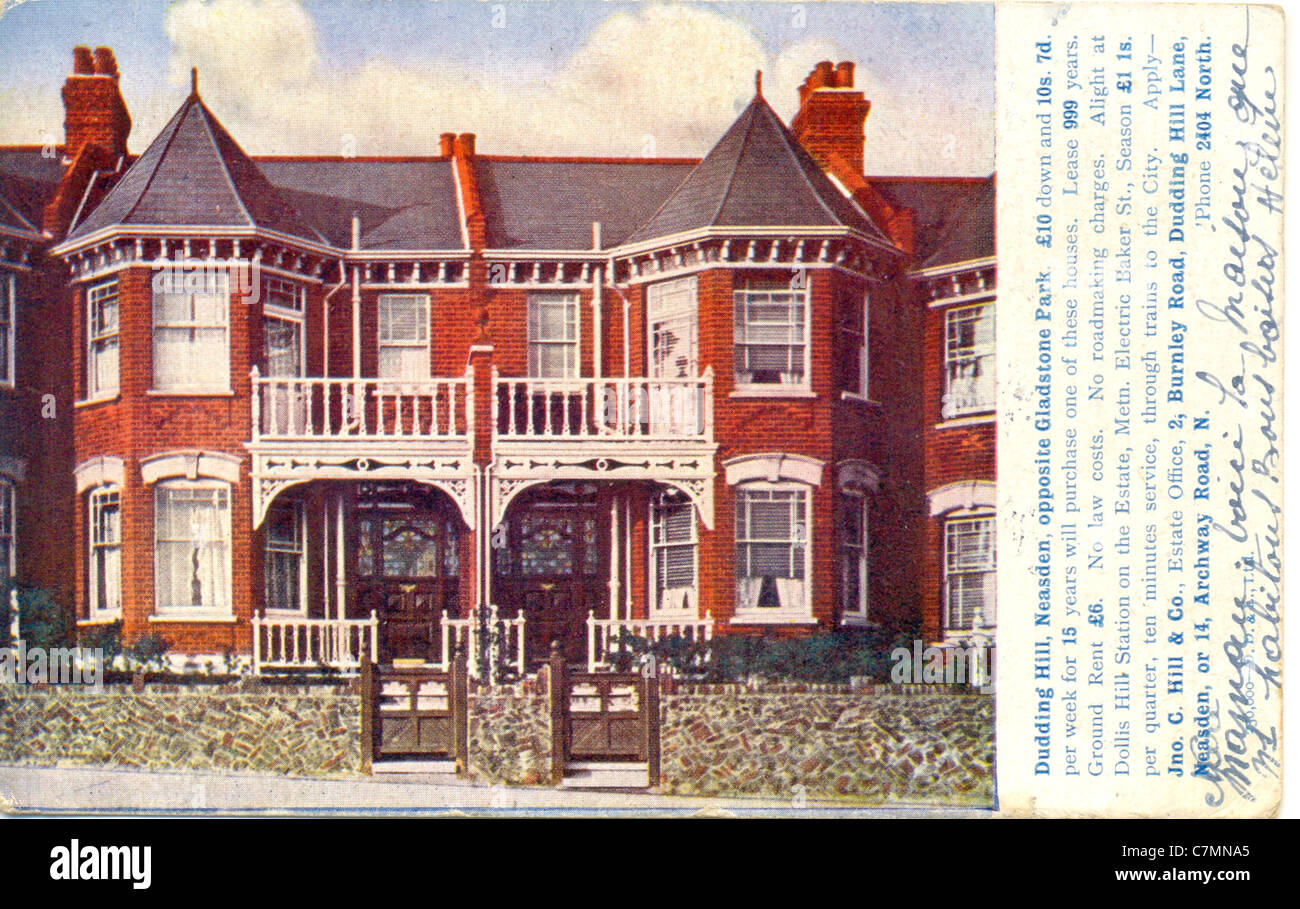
604	635
458	632
309	409
613	409
297	642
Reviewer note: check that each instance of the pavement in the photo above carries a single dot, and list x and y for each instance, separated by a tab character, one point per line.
86	791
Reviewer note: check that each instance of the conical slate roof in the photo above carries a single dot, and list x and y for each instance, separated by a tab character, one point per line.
195	175
758	175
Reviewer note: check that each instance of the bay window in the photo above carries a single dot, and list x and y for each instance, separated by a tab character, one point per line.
103	344
192	547
771	330
969	381
970	573
104	577
772	552
854	548
191	332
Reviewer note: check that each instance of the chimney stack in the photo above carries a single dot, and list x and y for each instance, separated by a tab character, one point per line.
831	119
464	145
94	111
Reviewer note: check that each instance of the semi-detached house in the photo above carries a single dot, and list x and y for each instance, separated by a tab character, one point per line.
305	407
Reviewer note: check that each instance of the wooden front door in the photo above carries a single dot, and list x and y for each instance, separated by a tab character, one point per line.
407	566
552	564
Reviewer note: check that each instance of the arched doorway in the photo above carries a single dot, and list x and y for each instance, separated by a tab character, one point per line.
551	562
407	564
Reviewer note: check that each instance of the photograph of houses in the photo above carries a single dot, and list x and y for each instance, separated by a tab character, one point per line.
533	412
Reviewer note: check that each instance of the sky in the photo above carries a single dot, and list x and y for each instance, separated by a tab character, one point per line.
573	77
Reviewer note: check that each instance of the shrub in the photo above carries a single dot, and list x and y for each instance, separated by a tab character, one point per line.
146	652
834	657
41	621
107	638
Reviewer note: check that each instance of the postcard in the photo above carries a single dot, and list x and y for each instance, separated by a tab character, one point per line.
814	409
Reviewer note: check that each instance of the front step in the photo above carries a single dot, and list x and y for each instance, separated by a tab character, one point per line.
605	775
434	766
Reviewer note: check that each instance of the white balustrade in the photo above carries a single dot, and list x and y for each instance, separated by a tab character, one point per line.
297	642
310	409
604	636
607	408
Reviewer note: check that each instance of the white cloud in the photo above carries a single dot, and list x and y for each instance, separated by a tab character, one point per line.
657	80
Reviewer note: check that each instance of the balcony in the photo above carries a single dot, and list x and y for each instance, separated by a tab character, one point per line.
316	410
602	429
645	412
306	429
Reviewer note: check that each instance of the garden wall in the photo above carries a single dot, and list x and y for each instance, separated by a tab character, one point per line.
308	730
876	744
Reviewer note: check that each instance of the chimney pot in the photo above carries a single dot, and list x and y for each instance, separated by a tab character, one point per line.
446	142
83	62
844	74
105	62
465	143
825	73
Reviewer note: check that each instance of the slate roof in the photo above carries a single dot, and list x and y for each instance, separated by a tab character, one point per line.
28	181
534	203
195	175
955	217
402	204
758	175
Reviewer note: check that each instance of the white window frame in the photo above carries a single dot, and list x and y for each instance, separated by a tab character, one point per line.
741	301
99	341
759	615
296	548
955	356
667	301
952	526
189	611
96	544
9	523
390	343
861	610
294	313
659	506
571	342
220	290
9	315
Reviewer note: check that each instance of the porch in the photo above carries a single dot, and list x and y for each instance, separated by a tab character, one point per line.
391	571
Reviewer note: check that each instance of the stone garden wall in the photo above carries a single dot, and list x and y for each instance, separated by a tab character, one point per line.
308	730
876	744
873	745
510	735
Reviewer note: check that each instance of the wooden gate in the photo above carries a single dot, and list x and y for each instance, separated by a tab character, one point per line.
411	714
602	717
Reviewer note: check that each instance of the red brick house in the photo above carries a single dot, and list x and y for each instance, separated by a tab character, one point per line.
751	393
